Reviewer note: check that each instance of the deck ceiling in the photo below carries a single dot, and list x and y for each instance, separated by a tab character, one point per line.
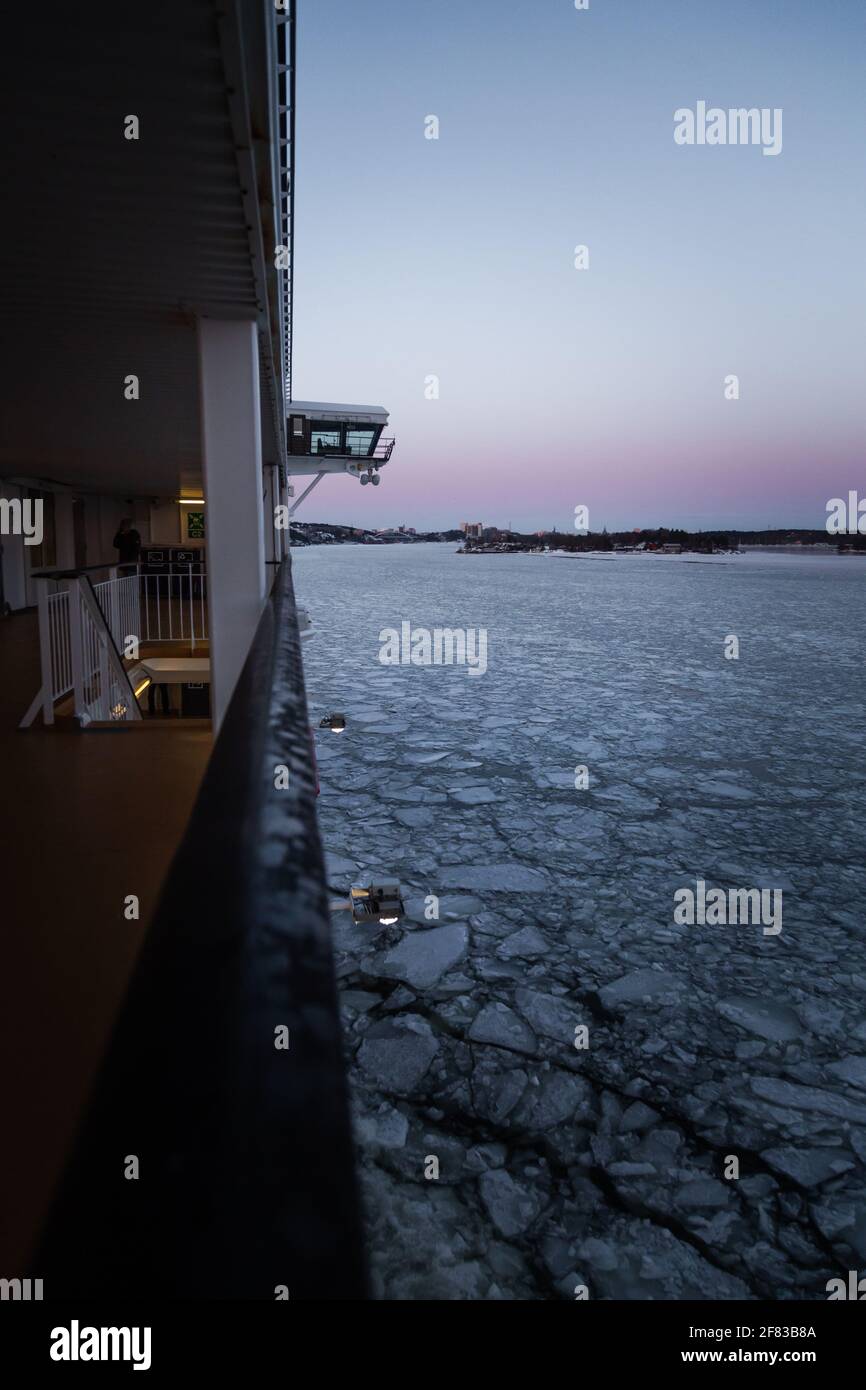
113	246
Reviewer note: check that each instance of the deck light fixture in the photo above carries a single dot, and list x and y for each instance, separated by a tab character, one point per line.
335	722
376	903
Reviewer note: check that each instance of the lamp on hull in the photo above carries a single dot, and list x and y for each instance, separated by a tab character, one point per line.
335	722
377	903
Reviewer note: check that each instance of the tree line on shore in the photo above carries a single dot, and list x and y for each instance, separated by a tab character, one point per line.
654	538
657	538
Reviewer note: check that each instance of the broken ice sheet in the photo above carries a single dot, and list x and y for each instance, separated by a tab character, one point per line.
769	1019
718	1038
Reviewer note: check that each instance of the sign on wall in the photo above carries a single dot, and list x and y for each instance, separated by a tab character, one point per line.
195	526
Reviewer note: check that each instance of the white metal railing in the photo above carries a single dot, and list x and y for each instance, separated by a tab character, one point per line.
100	682
119	600
86	630
155	607
173	607
60	643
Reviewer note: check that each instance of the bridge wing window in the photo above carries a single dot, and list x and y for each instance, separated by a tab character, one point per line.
359	440
325	437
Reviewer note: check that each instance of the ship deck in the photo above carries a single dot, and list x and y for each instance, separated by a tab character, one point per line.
86	819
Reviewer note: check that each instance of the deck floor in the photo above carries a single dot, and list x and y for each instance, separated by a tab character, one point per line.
86	819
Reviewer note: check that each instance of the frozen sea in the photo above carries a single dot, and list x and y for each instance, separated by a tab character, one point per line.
615	1102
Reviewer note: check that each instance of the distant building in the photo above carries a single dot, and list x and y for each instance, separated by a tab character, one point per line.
472	530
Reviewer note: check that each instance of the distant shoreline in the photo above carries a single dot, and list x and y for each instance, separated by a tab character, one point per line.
663	540
696	556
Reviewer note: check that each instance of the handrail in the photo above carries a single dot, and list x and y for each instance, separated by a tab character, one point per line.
90	602
247	1176
382	450
75	572
387	448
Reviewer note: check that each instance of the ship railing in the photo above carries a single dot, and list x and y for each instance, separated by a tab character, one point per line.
380	454
174	605
81	644
384	448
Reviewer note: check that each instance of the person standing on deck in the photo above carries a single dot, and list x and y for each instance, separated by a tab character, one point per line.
127	543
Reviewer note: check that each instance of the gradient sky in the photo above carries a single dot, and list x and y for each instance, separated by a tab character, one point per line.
455	257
